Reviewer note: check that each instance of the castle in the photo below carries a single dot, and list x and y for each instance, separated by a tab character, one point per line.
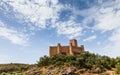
71	49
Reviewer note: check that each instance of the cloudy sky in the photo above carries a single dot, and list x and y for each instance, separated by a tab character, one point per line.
29	27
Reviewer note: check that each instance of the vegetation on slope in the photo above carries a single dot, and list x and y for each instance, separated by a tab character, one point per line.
13	67
66	65
84	60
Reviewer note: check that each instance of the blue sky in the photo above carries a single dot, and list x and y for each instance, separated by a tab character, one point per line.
29	27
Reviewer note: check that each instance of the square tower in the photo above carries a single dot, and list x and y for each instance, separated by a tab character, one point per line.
73	42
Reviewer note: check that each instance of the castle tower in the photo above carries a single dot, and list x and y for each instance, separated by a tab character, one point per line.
58	48
71	49
82	48
73	42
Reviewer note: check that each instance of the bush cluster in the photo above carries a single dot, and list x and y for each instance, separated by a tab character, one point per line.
84	60
7	68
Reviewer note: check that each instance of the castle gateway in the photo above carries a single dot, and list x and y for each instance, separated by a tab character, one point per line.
71	49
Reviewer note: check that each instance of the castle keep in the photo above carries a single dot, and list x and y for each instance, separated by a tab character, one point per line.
71	49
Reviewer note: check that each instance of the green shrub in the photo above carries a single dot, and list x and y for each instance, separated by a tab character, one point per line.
117	68
13	67
44	61
84	60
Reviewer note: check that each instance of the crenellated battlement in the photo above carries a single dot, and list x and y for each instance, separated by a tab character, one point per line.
71	49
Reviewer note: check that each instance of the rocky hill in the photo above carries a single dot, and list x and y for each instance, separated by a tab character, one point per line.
83	64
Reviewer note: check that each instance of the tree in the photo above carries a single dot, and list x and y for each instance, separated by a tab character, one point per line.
43	61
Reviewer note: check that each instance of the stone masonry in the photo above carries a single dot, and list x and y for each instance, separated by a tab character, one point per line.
71	49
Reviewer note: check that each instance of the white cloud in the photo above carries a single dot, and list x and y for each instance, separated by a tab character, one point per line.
107	19
90	38
35	12
13	35
39	12
69	28
113	48
115	37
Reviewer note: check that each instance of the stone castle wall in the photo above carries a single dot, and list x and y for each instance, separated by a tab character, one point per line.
71	49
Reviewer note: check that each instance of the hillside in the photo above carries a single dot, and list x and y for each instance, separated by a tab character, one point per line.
85	63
